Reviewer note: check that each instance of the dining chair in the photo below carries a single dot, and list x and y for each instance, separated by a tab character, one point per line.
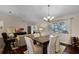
52	45
6	41
31	48
20	40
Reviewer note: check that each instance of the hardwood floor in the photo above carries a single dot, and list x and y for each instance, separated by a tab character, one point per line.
69	50
72	50
19	50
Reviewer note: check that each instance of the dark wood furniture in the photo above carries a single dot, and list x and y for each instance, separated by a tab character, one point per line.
75	42
71	50
19	33
7	41
19	50
74	47
43	40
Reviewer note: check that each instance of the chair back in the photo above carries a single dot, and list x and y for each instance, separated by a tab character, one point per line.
29	44
5	36
52	45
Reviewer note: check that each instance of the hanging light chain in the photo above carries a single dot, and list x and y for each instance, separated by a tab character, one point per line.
48	18
48	10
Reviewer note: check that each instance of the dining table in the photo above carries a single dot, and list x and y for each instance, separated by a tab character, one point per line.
43	40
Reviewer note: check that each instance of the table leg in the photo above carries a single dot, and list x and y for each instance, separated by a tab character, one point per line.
34	42
45	45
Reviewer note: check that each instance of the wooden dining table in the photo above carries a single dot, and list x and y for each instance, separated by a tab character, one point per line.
43	40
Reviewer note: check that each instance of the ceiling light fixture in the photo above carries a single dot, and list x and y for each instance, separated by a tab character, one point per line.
48	18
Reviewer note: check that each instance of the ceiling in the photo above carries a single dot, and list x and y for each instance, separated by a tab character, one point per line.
35	13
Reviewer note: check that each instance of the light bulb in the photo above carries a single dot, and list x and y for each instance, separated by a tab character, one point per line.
40	29
48	17
53	17
45	18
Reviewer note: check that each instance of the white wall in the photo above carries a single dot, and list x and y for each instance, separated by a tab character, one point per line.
75	27
12	21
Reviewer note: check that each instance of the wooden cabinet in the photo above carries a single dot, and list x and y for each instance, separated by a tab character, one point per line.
75	42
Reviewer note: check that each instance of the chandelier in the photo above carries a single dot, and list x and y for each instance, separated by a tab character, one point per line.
48	18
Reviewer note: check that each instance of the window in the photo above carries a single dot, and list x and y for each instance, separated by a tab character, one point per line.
61	27
54	27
